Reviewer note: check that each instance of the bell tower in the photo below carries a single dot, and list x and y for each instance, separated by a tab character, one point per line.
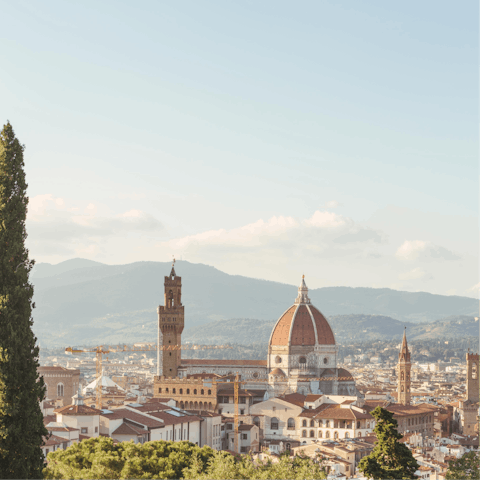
404	367
171	318
472	377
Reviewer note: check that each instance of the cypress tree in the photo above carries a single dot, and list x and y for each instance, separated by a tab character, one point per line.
21	389
390	459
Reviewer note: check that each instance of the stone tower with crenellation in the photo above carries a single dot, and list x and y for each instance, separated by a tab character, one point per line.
404	367
472	377
171	320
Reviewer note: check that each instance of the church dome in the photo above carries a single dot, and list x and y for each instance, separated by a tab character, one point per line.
302	324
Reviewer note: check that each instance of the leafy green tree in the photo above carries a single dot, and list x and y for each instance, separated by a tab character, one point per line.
100	458
21	390
390	459
225	466
466	467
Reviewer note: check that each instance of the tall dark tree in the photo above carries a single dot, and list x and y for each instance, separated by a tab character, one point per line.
390	459
21	389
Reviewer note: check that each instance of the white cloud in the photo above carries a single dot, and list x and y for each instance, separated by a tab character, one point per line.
412	250
53	225
415	274
322	231
333	204
474	291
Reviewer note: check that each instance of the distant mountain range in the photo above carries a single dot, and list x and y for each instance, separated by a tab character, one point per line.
80	301
347	328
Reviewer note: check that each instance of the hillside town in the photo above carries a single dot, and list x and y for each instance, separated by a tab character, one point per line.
300	400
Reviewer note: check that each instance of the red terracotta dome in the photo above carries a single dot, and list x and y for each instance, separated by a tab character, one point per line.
302	324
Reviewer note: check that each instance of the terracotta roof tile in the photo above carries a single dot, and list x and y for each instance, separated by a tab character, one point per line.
200	362
302	332
294	398
54	440
77	410
129	429
134	417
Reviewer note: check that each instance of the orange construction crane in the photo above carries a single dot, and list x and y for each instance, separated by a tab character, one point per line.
105	350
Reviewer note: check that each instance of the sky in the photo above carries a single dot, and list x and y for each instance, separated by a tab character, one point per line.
336	139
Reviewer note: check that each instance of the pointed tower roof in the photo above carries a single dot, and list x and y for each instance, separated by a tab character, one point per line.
78	398
302	296
404	352
172	273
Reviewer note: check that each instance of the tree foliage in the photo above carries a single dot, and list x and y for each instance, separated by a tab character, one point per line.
390	459
21	420
466	467
101	458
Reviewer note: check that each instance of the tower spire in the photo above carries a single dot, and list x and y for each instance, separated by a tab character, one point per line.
404	367
302	296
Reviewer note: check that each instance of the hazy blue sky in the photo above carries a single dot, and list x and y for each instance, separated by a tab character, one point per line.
338	139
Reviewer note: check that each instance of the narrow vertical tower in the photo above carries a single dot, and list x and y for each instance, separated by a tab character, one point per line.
171	319
472	377
404	367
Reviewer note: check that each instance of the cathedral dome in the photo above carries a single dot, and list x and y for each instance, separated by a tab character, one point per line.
302	324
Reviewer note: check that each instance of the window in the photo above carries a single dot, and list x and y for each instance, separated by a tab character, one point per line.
256	421
60	390
312	423
402	376
84	430
278	359
244	436
242	412
159	390
320	434
46	451
166	390
195	391
325	360
274	423
244	449
181	391
312	434
174	390
320	423
243	400
302	361
274	408
96	429
188	391
359	434
335	435
327	434
327	423
347	435
229	426
209	392
291	424
304	423
202	392
358	424
170	353
304	433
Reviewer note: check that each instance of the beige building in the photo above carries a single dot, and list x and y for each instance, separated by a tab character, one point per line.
62	383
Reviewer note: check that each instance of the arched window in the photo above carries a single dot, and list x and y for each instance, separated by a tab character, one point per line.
274	423
312	423
327	423
474	371
159	390
402	376
320	434
209	392
182	406
327	434
174	390
166	389
312	433
359	434
304	423
181	391
60	390
278	359
291	424
302	360
335	435
256	421
202	392
402	388
195	391
347	435
304	433
320	423
188	391
195	405
210	405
